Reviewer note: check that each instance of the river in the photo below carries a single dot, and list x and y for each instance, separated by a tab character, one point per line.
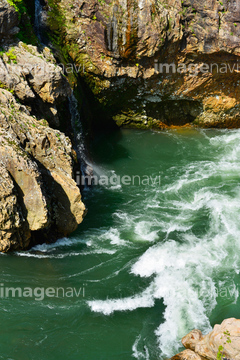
153	259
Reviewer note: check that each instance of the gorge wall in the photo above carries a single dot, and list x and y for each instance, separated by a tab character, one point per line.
120	47
144	64
39	200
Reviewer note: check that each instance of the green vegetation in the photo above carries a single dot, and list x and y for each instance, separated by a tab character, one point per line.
220	354
11	56
26	33
19	5
227	333
3	86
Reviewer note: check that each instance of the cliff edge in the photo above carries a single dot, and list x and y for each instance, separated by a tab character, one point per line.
39	200
155	63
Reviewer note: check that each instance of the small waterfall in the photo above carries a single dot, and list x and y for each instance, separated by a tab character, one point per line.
37	22
40	21
85	166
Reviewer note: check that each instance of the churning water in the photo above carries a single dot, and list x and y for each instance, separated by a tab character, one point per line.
156	258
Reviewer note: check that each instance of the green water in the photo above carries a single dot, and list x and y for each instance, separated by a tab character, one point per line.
150	258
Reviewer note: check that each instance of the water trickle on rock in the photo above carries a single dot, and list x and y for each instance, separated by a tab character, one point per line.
85	166
40	21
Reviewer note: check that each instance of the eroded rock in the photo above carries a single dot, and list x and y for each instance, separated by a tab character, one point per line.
223	341
39	161
35	79
122	46
14	229
9	20
186	355
39	199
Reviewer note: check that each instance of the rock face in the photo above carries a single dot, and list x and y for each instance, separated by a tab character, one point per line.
186	355
123	46
34	78
8	20
222	342
39	200
43	201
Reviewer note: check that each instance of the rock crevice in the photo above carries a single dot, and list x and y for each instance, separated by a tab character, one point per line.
39	199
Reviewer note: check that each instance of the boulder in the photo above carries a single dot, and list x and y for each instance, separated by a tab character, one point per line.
186	355
224	338
39	199
223	342
37	162
35	79
14	229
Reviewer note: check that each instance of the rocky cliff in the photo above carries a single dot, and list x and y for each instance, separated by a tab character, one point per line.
222	343
39	200
143	64
153	63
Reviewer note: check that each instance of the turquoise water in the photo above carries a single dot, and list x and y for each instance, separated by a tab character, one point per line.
150	262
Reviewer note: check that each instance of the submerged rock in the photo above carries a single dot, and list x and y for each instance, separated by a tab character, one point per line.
223	342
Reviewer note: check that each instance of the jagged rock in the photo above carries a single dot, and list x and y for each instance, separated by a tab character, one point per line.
225	336
9	20
186	355
27	178
190	340
39	161
39	200
223	341
33	76
35	79
14	231
122	44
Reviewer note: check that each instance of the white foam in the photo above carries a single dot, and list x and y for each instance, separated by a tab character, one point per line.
109	178
113	235
139	354
174	266
107	307
143	231
40	256
185	272
59	243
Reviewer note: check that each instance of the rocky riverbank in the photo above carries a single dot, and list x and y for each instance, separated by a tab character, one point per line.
117	50
120	47
39	200
222	343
